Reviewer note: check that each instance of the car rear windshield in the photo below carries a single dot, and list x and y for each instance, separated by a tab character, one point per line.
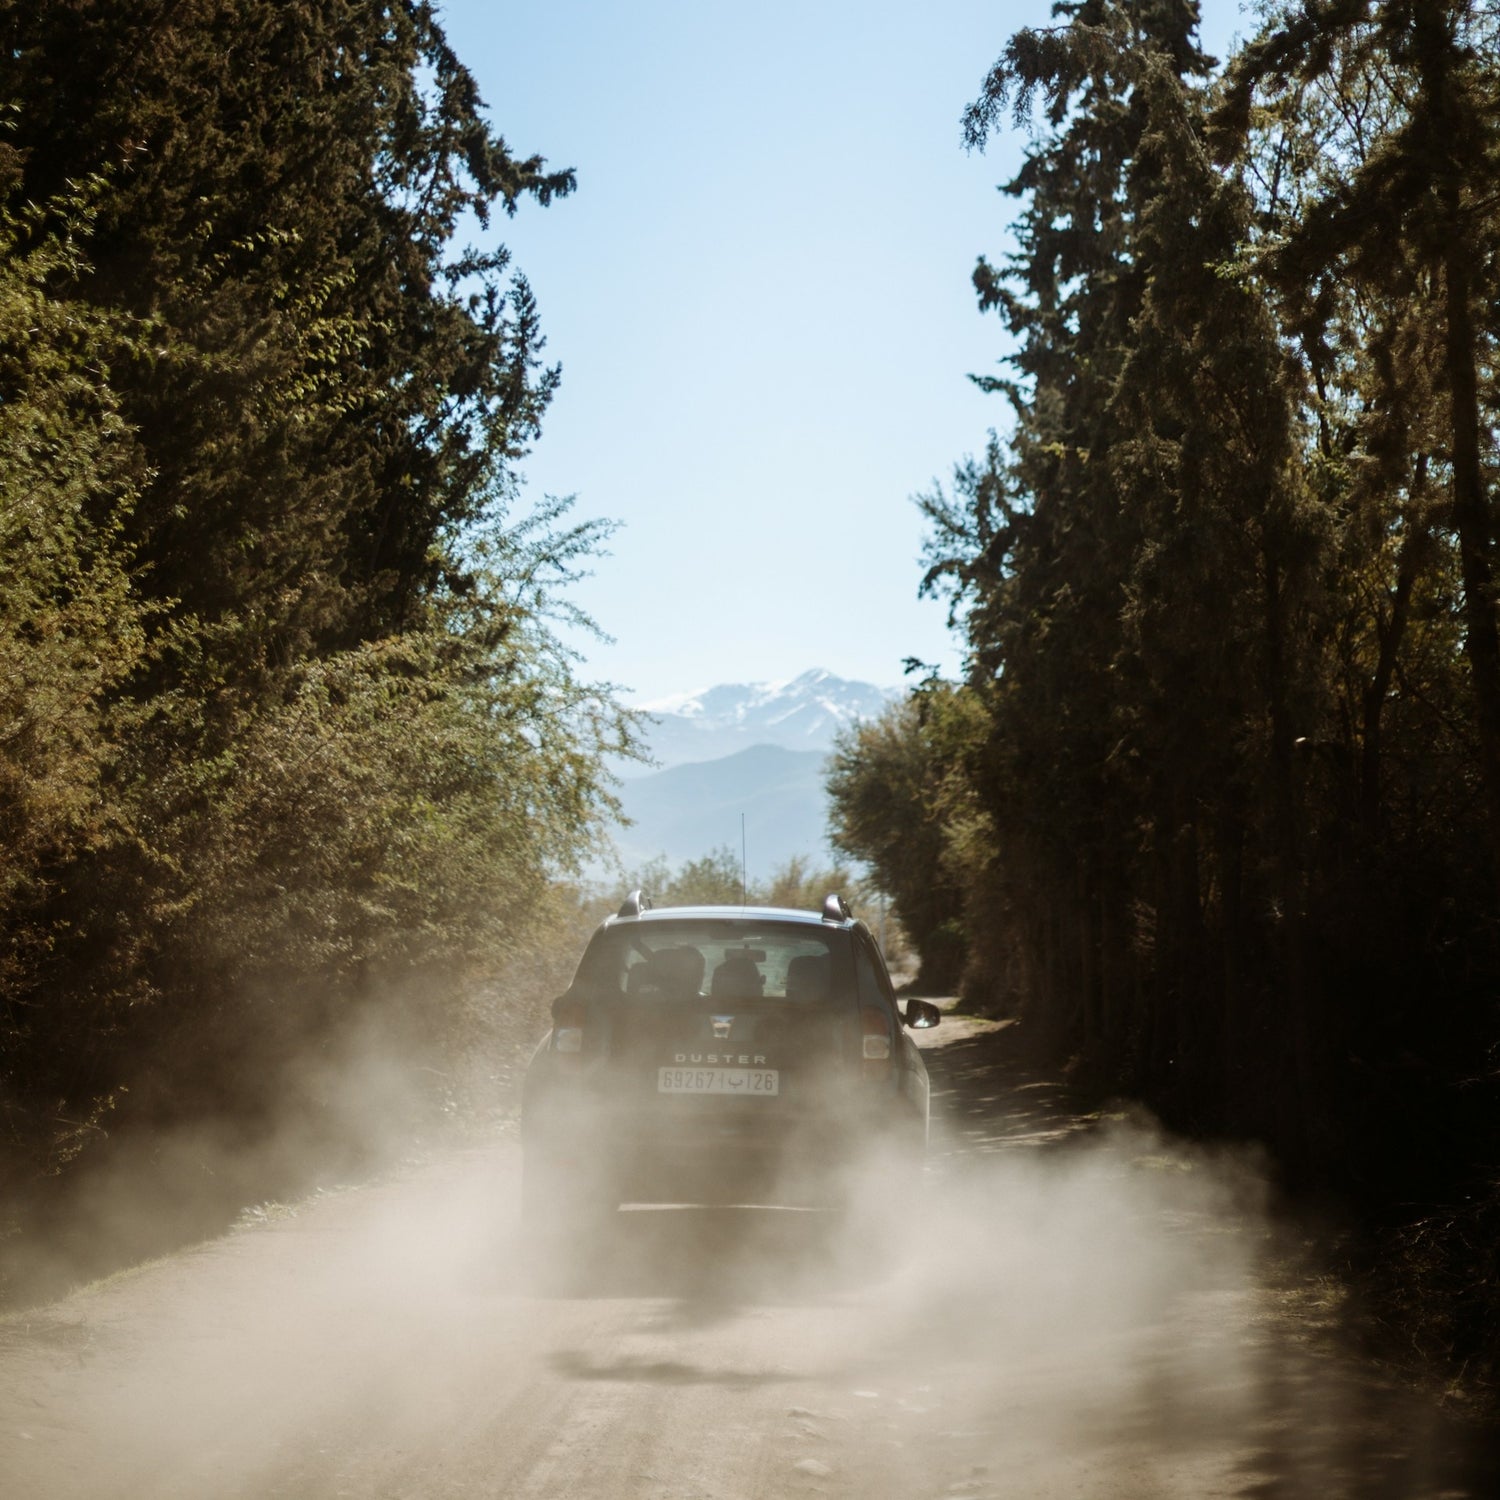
656	962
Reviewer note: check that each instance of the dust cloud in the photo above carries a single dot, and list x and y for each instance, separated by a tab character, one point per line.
351	1105
1084	1313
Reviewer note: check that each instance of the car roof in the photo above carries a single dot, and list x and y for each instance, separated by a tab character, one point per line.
779	914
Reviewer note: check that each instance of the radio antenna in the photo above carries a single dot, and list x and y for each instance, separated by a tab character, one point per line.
744	867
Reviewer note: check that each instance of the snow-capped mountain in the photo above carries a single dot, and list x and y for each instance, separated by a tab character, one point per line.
802	714
689	811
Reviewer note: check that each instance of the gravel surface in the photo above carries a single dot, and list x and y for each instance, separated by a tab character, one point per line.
1070	1308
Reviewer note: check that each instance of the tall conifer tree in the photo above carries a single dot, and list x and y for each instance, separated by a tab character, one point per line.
1423	193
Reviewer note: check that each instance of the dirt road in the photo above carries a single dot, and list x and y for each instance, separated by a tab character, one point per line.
1065	1313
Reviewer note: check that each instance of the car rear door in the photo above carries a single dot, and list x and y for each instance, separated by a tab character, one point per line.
768	1038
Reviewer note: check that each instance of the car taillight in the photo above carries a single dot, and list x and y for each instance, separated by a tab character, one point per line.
567	1029
875	1042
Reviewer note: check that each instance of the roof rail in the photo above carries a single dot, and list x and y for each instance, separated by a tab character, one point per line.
634	904
835	908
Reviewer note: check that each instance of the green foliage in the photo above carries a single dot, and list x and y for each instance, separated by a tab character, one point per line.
900	804
802	886
1227	823
712	880
1383	256
287	182
285	714
1225	604
72	629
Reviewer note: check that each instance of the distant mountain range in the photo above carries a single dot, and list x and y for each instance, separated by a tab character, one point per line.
753	748
802	714
690	810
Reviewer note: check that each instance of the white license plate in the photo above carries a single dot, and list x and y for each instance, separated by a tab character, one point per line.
758	1082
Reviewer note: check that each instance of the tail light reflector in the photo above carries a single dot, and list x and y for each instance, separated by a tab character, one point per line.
567	1029
875	1028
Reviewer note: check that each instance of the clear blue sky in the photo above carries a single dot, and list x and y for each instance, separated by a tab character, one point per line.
760	298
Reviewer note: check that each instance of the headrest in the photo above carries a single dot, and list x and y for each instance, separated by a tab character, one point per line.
737	978
675	972
807	977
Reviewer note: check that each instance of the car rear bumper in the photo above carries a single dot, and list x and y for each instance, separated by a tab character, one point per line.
672	1156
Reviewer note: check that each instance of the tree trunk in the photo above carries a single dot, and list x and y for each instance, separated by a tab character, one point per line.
1392	632
1445	119
1471	517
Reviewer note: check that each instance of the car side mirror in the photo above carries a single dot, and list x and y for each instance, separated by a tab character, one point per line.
920	1014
